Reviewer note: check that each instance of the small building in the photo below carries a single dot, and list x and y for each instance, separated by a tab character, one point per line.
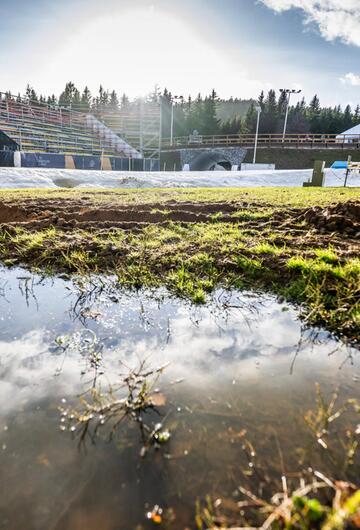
351	136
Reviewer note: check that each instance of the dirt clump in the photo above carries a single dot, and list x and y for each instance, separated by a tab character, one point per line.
343	218
12	214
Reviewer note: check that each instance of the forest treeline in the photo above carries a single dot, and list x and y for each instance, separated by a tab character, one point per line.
202	114
212	115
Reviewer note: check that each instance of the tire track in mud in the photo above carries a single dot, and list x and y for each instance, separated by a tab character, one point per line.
35	215
83	213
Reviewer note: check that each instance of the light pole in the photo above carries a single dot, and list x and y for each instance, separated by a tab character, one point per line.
172	119
258	110
288	92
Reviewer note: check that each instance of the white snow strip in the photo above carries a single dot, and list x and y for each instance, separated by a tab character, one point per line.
72	178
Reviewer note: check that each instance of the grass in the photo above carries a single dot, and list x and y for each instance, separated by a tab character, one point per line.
308	500
271	197
292	510
253	250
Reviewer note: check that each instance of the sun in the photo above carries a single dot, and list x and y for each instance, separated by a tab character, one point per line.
134	49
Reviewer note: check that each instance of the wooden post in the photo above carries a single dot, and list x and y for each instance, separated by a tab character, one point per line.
317	176
347	170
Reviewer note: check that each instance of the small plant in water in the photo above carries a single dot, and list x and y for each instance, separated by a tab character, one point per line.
307	500
289	509
321	419
131	399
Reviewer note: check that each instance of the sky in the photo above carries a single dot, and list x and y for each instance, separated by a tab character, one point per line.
237	47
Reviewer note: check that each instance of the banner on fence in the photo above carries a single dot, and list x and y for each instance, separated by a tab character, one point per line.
7	158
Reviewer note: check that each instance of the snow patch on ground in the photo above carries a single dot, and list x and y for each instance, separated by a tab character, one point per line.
72	178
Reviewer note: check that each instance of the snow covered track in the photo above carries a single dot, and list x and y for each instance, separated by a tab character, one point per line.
72	178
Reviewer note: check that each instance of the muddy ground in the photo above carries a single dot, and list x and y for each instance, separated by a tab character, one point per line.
82	213
302	244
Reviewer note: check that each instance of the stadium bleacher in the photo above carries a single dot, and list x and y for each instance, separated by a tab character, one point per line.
38	128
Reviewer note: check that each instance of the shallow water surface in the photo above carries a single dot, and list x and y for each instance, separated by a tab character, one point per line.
241	375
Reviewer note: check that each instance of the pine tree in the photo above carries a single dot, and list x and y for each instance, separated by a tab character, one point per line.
314	115
103	99
85	101
154	96
261	100
180	119
166	96
69	96
113	102
314	105
195	115
297	120
124	101
166	103
356	116
269	118
249	124
76	101
30	94
51	101
210	123
347	118
282	103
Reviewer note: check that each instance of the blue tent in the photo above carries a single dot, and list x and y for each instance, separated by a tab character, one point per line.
339	164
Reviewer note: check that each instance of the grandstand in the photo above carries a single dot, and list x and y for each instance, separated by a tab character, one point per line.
138	123
39	129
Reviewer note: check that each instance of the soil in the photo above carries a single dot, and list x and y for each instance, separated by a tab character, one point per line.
266	241
34	214
343	218
81	213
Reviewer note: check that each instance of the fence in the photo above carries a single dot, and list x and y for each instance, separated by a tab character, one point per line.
299	141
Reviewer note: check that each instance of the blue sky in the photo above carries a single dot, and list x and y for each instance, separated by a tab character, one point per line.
237	47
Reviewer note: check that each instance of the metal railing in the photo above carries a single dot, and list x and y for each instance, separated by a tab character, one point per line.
265	140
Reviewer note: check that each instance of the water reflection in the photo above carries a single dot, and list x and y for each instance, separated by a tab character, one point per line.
248	370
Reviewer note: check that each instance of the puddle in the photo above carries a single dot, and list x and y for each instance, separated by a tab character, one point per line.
241	375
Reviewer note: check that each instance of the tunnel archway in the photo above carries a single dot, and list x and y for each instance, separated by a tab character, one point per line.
210	161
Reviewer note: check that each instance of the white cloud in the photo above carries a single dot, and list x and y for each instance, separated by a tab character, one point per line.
351	79
336	19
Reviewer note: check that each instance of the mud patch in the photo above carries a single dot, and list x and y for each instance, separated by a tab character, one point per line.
12	214
81	213
343	218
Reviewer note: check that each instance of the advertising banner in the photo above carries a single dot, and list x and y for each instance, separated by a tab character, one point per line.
50	160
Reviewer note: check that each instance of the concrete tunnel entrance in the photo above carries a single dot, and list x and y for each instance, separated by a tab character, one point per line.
203	158
210	161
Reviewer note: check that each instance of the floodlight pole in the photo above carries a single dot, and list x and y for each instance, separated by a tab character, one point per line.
160	124
141	147
287	91
258	110
172	119
172	124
